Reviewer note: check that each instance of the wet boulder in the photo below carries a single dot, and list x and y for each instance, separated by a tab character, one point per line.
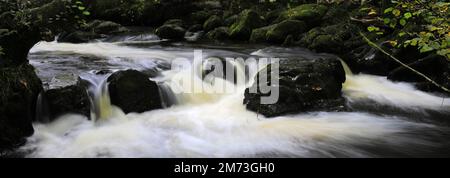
230	20
335	39
106	27
19	89
171	31
306	84
246	22
195	28
305	12
259	34
279	32
72	99
200	16
177	22
94	30
133	91
221	33
212	23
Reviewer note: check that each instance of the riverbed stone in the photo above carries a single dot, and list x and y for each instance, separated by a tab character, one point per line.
305	83
133	91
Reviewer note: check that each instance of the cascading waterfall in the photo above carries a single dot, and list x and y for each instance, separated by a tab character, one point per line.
208	124
101	107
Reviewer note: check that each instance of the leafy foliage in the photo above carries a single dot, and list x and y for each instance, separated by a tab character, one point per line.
421	23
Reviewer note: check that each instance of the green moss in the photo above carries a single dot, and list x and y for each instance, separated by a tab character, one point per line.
306	12
247	21
213	22
220	33
259	34
280	31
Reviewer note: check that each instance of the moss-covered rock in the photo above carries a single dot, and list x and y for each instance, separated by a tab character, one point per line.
305	12
93	30
306	83
177	22
19	89
221	33
273	15
212	22
171	31
279	32
259	34
247	21
336	39
200	16
195	28
230	20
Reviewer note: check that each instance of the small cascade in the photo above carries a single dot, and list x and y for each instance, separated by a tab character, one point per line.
42	110
101	107
347	69
168	97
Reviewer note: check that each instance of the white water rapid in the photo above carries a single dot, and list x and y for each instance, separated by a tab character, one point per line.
218	125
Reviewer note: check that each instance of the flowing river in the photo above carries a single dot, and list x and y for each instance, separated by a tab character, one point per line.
389	119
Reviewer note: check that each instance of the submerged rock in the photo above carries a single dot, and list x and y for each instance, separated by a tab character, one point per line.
72	99
305	85
133	91
19	89
246	22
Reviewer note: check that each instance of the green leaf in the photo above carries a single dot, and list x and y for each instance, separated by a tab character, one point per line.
387	20
373	28
407	15
401	34
388	10
81	8
414	42
393	24
396	12
426	48
402	22
86	13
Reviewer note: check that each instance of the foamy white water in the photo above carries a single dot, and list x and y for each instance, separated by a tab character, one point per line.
211	125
